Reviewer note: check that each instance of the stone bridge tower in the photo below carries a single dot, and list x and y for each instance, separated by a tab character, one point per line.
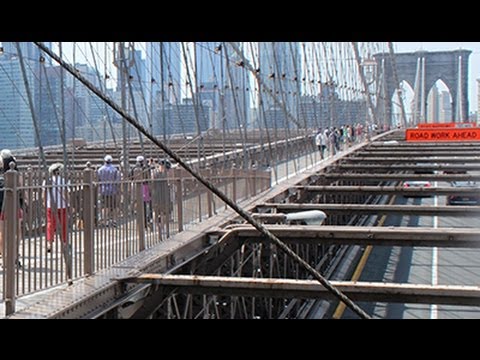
421	70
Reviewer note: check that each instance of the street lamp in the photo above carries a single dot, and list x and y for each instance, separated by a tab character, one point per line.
369	67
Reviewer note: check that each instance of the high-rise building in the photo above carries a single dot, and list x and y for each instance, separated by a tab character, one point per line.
209	63
49	105
478	98
44	84
164	79
138	73
221	83
29	50
85	101
433	114
211	80
16	121
184	119
136	70
237	102
135	83
280	68
445	102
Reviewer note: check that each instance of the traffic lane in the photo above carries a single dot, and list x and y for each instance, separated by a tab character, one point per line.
452	267
389	264
416	266
459	267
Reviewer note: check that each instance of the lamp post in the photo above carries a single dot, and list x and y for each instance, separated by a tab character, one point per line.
369	67
368	74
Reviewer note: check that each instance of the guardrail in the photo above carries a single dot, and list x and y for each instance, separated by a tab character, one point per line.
101	232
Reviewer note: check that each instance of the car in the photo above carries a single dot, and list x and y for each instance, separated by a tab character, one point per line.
416	184
471	199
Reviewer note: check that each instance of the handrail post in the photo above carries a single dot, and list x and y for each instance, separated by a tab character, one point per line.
179	198
209	194
234	185
140	207
88	220
11	219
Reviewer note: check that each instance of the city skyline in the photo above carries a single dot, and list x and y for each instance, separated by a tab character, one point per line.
218	94
400	47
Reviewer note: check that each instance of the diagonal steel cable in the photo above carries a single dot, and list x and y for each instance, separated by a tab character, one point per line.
337	293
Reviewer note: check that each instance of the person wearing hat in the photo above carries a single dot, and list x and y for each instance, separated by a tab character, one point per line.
56	192
108	180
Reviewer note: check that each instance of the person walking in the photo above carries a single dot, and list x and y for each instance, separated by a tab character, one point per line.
321	142
161	200
109	179
6	159
56	199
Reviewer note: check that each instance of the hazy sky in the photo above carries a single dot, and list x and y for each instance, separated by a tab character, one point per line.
474	61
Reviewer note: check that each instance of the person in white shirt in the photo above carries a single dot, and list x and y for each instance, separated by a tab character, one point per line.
56	198
321	142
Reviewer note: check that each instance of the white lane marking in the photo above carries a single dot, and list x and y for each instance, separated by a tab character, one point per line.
434	307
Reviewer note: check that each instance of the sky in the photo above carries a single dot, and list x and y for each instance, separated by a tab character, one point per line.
474	61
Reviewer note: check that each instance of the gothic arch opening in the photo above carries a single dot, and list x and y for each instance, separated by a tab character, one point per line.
423	69
439	103
406	93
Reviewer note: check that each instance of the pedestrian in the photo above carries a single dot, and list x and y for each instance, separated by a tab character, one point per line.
321	142
56	199
161	200
144	174
109	179
7	158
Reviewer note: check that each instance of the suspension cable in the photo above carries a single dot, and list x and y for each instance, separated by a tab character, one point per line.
395	78
248	217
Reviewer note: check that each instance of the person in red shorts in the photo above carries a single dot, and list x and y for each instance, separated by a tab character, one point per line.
56	197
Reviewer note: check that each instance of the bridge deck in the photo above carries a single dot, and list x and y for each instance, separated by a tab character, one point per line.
94	296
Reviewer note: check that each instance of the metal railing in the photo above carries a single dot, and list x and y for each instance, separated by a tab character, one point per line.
102	231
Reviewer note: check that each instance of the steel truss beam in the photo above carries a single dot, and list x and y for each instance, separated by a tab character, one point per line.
414	159
399	167
415	210
412	153
358	235
401	177
389	190
309	289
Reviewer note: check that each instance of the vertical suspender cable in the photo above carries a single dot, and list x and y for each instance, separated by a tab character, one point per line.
244	214
397	84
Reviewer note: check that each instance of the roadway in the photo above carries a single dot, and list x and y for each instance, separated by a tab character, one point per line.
420	265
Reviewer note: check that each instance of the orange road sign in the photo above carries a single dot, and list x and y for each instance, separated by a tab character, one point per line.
446	125
443	135
436	125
